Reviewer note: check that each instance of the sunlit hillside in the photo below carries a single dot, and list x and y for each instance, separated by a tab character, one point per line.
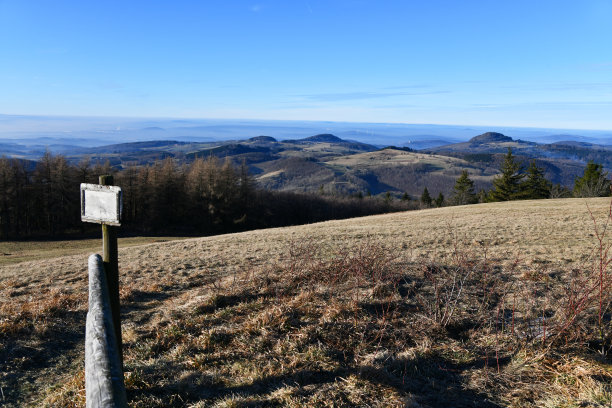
340	312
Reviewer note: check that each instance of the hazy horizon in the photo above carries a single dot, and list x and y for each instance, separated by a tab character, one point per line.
98	131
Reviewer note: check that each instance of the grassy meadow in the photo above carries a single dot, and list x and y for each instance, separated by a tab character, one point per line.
12	252
489	305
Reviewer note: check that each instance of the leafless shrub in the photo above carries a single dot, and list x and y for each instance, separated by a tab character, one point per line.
465	282
366	264
585	309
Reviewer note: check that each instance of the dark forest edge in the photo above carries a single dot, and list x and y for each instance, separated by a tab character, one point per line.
204	197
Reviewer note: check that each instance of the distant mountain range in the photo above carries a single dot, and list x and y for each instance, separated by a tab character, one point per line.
350	161
333	165
58	132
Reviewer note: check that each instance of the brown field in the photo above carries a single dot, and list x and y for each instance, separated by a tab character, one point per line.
445	165
12	252
328	314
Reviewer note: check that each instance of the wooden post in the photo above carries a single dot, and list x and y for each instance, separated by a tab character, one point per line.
104	382
110	258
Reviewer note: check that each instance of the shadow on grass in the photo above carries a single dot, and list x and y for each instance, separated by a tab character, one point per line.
30	357
139	299
429	382
140	302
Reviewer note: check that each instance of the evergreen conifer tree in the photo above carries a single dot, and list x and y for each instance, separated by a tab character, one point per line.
594	182
426	198
507	186
439	200
463	192
535	185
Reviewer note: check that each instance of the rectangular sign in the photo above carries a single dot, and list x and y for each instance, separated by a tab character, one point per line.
101	204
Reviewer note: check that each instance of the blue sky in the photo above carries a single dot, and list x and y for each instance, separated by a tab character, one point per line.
512	63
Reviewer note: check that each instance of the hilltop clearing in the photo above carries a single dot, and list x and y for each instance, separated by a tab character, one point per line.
393	169
354	312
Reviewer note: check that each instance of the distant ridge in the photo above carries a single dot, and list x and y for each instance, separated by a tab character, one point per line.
232	149
130	147
491	143
140	145
262	139
421	144
322	138
490	137
333	140
150	143
576	144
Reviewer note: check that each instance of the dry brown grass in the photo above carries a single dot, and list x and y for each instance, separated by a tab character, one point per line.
12	252
342	313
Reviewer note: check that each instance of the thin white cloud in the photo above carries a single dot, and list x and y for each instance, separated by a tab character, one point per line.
400	87
352	96
577	86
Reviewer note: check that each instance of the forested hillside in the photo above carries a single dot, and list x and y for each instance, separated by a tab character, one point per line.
203	197
205	188
336	166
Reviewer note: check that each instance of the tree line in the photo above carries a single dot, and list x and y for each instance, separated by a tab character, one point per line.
206	196
517	183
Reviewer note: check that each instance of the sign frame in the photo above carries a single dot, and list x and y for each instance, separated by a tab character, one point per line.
112	194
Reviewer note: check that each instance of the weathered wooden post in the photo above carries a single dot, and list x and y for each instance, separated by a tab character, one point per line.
102	204
110	257
104	382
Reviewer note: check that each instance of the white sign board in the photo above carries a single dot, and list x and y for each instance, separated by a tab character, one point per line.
101	204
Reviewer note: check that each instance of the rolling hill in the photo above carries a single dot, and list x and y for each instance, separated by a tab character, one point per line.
375	172
332	165
491	143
